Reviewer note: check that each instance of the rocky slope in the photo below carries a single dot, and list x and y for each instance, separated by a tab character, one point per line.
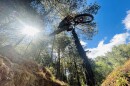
18	71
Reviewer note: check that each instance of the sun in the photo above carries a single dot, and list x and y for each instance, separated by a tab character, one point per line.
30	31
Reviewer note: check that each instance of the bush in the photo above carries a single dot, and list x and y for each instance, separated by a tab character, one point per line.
119	77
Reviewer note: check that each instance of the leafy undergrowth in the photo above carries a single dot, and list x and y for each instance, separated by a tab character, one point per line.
18	71
119	77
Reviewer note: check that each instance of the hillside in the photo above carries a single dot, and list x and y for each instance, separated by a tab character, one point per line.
18	71
119	77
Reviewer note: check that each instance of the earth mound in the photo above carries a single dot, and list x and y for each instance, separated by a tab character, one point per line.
18	71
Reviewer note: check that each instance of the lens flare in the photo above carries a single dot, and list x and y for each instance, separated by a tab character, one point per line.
30	31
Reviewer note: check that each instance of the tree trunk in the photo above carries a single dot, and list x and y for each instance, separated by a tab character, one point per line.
89	72
77	75
58	64
52	49
19	41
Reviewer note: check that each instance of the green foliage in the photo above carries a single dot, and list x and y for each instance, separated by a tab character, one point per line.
103	65
46	15
122	81
119	77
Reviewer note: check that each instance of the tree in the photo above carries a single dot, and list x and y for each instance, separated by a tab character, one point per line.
103	65
45	14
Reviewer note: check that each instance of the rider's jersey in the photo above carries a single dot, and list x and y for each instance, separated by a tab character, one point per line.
65	23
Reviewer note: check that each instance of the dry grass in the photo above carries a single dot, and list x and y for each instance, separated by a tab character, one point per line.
119	77
16	71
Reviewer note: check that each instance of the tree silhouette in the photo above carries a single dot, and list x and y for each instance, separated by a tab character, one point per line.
28	12
66	24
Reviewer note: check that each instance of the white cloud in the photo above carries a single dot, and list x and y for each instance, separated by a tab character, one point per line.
126	21
83	43
118	39
102	48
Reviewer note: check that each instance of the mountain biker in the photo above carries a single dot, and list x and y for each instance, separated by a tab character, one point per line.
70	21
66	23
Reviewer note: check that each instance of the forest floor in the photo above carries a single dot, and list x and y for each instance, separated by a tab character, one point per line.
18	71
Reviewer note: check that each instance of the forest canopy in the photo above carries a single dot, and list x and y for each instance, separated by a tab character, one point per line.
25	26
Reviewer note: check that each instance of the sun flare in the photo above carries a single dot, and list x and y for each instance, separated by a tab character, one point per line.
30	31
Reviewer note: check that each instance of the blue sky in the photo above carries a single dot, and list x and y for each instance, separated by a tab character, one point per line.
113	23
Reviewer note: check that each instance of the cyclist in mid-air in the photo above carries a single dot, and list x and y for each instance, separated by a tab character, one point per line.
66	23
69	22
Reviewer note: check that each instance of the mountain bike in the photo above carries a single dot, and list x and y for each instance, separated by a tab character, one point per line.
69	22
